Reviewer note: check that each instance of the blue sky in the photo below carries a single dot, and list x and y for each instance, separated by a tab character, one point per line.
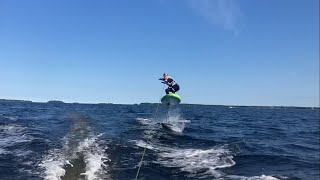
228	52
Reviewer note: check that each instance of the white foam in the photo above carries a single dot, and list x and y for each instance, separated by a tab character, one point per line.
53	164
142	144
198	162
194	160
175	127
263	177
184	121
144	121
94	163
69	163
94	159
208	161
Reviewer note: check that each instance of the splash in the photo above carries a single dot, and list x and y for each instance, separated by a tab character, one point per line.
174	120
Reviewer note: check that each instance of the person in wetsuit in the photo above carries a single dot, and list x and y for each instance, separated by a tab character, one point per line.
173	86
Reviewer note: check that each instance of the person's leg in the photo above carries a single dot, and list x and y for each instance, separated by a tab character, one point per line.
175	88
167	90
170	89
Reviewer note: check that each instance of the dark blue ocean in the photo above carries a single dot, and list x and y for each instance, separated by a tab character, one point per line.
106	141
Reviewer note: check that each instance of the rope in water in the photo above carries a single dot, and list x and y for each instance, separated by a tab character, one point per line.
144	151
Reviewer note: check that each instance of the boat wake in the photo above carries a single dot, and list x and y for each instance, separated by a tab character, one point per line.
80	157
197	162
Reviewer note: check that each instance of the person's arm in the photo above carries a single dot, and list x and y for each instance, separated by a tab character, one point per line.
169	81
163	80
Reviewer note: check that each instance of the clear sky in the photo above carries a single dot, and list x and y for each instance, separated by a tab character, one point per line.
223	52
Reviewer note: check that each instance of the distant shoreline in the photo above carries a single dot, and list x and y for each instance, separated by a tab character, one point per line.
146	103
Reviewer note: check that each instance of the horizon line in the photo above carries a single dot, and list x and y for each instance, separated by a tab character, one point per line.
62	102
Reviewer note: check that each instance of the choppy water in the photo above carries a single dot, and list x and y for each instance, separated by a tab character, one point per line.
105	141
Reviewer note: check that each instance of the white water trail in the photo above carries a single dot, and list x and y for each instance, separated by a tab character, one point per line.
80	157
207	162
